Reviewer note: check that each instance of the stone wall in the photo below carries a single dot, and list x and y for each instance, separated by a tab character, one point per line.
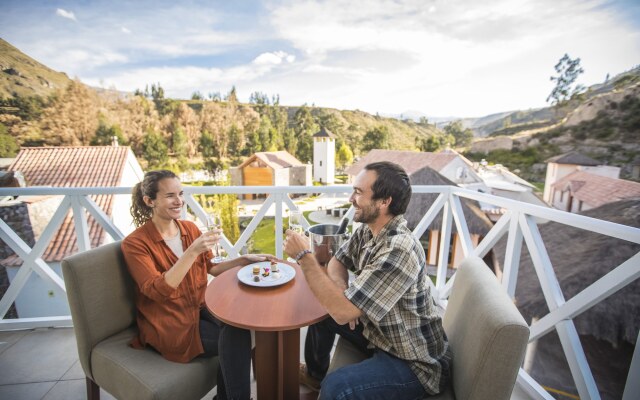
490	144
16	215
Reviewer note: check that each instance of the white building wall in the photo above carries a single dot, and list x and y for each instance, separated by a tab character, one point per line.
555	172
324	159
461	173
120	215
607	171
281	177
39	297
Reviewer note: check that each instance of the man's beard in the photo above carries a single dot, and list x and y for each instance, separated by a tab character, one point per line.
367	214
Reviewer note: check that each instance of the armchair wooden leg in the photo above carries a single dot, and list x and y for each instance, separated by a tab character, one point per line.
93	390
253	361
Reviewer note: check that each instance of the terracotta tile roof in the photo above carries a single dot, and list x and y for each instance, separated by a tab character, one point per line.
274	159
411	161
596	190
72	167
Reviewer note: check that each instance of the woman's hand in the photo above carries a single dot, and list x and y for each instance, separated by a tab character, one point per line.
254	258
205	242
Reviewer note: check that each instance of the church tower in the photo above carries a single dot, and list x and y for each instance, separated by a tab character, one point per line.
324	157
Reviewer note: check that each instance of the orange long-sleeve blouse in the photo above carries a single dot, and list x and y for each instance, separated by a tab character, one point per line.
168	318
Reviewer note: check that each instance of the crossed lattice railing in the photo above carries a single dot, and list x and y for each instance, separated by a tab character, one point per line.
519	223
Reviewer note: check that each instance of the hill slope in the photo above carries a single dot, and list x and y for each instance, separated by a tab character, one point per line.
23	76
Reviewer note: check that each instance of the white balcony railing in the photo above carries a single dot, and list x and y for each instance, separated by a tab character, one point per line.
519	223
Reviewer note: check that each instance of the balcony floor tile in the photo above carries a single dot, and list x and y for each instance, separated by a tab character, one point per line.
42	355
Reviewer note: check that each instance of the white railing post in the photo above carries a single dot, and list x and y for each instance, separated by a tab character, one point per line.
512	255
80	222
443	252
278	220
461	224
632	388
582	376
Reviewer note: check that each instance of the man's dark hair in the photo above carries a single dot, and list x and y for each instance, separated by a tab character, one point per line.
392	181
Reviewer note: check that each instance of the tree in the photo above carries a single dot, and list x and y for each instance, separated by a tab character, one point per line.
290	141
179	147
463	136
236	140
8	145
214	166
105	134
431	143
226	205
304	126
344	156
330	121
207	144
72	116
568	71
154	150
376	138
197	95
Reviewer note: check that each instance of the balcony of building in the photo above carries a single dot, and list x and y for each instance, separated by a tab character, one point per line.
39	359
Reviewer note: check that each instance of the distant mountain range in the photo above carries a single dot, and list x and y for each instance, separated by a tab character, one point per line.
490	124
23	76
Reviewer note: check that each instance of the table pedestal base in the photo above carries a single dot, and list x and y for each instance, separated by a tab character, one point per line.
277	361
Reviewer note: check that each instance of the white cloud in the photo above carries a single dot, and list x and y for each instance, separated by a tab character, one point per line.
273	58
457	56
66	14
436	56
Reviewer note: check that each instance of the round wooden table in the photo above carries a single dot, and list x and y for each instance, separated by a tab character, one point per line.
276	314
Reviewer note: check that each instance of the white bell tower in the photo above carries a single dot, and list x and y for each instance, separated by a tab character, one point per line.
324	157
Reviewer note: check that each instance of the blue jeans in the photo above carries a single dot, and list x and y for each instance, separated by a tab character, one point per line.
233	347
381	376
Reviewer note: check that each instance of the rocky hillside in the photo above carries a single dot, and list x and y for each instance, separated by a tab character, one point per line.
23	76
513	122
603	124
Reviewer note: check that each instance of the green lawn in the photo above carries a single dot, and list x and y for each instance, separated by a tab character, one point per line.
264	239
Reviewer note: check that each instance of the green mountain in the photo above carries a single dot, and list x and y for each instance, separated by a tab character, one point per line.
23	76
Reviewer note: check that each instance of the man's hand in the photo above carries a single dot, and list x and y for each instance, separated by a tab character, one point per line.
294	243
353	323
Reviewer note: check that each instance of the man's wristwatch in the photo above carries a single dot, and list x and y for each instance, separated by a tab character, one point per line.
301	254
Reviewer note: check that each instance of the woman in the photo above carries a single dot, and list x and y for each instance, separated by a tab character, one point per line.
169	259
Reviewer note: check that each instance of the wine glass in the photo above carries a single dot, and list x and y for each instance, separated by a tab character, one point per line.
295	221
215	222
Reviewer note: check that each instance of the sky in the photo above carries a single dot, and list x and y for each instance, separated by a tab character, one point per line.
439	58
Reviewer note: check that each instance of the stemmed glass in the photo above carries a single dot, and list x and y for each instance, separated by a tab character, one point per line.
215	222
295	221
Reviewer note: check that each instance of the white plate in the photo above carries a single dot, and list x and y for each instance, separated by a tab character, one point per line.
245	275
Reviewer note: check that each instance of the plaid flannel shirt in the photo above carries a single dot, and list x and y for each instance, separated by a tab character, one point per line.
399	315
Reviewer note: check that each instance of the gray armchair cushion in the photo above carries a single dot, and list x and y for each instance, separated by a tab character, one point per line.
113	362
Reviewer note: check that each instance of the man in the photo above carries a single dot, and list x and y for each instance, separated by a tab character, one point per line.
387	311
